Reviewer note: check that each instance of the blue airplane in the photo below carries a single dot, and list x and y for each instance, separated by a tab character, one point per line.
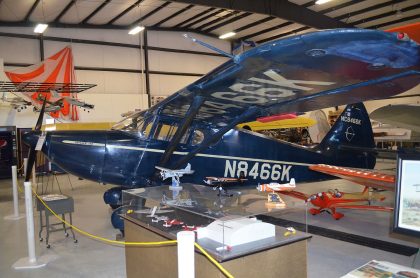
196	125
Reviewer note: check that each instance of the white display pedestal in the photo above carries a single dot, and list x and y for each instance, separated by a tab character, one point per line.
238	231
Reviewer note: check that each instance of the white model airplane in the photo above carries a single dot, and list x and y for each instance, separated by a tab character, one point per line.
274	186
174	174
71	100
152	211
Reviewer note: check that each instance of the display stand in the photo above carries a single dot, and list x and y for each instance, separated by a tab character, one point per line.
196	207
61	205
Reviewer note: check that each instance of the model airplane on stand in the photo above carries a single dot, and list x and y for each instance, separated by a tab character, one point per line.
174	174
220	183
196	124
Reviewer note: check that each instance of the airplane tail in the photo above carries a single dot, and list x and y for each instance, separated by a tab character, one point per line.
352	132
188	167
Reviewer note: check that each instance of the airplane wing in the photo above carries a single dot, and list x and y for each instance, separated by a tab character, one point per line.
301	73
363	177
295	194
163	169
364	207
401	115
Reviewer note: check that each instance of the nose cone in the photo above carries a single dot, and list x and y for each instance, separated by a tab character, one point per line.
31	138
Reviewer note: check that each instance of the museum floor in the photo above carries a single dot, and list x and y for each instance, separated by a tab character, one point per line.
89	258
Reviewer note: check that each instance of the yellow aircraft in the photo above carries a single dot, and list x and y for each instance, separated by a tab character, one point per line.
286	123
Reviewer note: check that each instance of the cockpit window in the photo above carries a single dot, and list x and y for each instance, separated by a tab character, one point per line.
165	132
198	137
135	124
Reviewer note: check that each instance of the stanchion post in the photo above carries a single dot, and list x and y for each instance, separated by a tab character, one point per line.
15	215
186	264
25	166
31	261
30	222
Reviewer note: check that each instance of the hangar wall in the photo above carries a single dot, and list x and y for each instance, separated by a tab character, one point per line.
114	61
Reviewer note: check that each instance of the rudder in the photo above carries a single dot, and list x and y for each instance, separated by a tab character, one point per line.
352	129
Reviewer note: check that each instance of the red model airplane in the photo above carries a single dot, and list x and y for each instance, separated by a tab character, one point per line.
330	200
3	143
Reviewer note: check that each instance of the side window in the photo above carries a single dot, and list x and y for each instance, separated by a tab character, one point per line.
165	132
146	130
198	137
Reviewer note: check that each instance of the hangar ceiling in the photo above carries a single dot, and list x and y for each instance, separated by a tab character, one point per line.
259	21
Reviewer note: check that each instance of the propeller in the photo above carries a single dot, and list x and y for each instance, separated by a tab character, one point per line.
32	151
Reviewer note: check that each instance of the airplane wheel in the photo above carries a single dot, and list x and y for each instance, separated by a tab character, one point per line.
41	239
314	211
48	246
66	234
75	241
337	215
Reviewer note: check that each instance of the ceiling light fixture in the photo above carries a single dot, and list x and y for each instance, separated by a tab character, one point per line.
320	2
136	30
227	35
40	28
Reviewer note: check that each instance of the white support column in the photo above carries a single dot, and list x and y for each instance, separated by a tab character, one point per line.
31	261
25	166
34	175
16	214
186	264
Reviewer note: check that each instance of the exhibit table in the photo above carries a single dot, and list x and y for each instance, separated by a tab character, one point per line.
220	229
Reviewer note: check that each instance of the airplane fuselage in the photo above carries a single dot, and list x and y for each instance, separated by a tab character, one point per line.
120	158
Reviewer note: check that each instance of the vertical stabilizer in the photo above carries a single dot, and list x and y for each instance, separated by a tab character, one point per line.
351	137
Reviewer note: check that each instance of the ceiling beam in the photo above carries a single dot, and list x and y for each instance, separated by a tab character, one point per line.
282	25
195	17
203	18
214	21
92	14
369	9
379	16
324	11
278	8
28	15
174	15
400	20
64	11
105	27
253	24
121	14
235	18
151	13
283	34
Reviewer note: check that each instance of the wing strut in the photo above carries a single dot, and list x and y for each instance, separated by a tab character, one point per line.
210	46
185	124
251	112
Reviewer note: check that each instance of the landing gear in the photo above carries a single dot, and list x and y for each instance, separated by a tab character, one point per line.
113	197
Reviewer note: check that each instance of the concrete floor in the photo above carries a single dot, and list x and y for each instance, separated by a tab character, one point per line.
90	258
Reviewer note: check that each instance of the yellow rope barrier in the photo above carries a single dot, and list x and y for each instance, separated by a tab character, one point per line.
211	259
106	240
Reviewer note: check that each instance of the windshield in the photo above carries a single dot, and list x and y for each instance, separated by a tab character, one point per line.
135	124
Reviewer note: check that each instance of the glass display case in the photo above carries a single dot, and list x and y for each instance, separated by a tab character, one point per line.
225	223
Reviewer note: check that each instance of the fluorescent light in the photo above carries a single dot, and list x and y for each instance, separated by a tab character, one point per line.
136	30
227	35
40	28
320	2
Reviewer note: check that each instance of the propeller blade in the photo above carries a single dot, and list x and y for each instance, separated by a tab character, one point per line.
31	161
32	151
41	116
